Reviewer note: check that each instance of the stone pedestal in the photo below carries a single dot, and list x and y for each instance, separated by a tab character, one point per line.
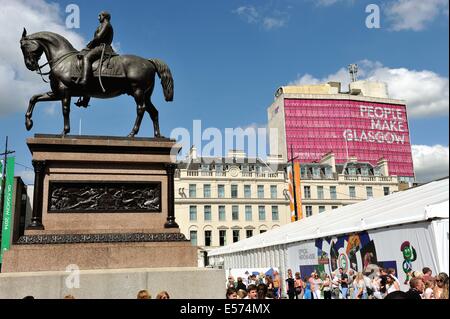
101	203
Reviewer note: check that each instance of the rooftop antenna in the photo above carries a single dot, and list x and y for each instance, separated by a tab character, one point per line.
353	70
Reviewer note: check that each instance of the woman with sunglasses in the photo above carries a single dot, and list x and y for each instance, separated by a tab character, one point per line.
441	288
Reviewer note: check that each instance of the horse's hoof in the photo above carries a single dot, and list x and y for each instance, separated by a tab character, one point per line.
28	123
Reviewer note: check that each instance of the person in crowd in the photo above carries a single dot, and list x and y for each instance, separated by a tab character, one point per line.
397	295
427	274
252	292
240	284
376	287
391	284
269	284
307	294
343	281
253	280
262	291
317	286
298	286
327	287
261	278
231	293
230	282
417	288
428	293
28	297
144	294
391	271
334	286
276	285
290	281
351	276
441	289
359	287
163	295
242	294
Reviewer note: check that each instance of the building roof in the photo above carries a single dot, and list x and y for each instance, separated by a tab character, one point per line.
198	162
422	203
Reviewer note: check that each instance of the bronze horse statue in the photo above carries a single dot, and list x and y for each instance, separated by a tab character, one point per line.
137	78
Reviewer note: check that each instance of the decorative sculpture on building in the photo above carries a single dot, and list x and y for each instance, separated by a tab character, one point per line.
111	75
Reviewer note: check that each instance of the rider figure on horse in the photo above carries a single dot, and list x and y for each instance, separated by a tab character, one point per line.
103	38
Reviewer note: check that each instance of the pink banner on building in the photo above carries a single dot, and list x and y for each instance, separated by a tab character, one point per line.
366	130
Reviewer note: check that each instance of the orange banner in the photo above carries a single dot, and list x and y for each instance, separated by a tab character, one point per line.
294	177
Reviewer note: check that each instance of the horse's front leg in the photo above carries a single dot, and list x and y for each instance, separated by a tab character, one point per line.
66	112
44	97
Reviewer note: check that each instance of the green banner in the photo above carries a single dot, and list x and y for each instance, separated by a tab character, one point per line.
7	207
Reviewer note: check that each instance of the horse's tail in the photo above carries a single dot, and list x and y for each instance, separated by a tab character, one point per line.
166	78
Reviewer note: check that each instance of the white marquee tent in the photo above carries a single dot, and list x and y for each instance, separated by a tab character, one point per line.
418	216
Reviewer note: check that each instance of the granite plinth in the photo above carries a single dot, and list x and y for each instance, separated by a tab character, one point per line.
106	238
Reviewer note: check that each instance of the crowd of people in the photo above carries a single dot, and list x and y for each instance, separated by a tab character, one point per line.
142	294
383	284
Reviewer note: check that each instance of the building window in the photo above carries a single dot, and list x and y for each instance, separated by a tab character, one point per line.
351	171
221	191
207	191
208	238
234	191
193	213
249	233
260	191
273	191
386	191
307	192
334	207
193	236
365	171
222	214
219	168
321	209
352	191
207	211
328	172
377	171
320	192
275	215
369	191
262	213
235	212
262	231
247	191
192	190
316	172
248	213
222	237
333	193
303	172
235	235
308	211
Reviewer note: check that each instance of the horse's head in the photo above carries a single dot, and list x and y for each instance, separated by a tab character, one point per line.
32	51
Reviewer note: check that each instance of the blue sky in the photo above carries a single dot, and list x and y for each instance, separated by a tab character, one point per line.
229	57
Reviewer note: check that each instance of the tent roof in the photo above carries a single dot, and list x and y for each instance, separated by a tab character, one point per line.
414	205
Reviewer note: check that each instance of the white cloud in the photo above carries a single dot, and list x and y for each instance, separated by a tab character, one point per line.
17	83
327	3
268	18
426	92
249	13
430	162
414	14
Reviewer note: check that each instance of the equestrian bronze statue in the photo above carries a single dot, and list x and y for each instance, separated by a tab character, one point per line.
111	75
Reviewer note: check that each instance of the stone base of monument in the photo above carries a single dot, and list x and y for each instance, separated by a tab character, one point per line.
101	203
180	283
